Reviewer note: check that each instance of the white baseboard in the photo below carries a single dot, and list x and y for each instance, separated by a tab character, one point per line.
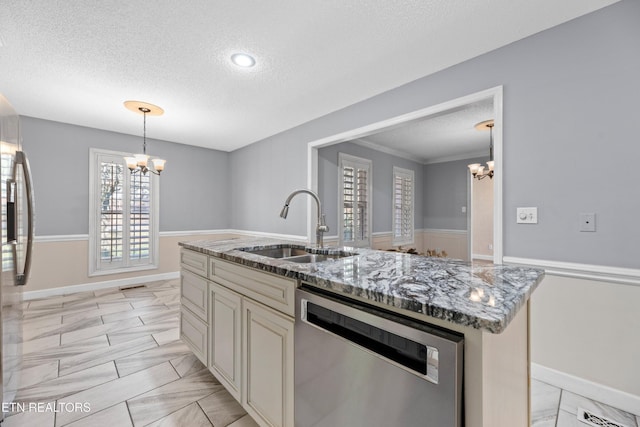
483	257
64	290
601	393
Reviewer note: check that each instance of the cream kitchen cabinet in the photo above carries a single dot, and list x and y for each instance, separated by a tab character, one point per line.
267	366
194	262
264	329
194	332
225	349
194	328
239	322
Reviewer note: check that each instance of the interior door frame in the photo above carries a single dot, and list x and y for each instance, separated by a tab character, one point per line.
495	93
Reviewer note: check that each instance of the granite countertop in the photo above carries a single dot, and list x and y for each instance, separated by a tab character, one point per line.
482	296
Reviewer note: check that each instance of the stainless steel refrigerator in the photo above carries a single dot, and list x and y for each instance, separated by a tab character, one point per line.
17	242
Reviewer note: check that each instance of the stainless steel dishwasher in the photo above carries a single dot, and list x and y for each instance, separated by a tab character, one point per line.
359	366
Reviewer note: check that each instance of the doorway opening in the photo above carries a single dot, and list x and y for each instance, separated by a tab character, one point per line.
364	135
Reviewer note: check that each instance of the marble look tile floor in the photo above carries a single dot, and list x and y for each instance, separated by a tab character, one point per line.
117	352
554	407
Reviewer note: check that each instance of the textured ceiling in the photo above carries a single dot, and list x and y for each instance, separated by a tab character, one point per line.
78	61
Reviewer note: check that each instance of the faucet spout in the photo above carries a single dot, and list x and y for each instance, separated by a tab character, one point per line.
321	227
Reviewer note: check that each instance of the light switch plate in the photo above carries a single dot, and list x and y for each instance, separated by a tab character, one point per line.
587	222
527	215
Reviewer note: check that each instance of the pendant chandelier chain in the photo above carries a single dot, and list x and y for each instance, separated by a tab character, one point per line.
144	129
490	126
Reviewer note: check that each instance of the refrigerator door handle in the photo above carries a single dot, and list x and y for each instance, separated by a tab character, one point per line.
21	159
11	211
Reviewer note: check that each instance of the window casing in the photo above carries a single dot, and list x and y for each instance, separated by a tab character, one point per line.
354	203
123	216
403	206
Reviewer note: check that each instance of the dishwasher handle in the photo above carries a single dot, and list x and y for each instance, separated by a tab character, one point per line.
408	348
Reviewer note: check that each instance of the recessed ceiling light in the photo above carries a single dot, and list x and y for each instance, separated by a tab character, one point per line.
243	60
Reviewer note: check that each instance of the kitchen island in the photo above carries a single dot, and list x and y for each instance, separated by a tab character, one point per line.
486	303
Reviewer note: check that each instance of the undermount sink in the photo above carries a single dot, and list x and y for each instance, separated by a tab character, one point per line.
276	252
309	258
296	254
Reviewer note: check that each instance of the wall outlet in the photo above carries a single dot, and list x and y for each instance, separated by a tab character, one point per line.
587	222
527	215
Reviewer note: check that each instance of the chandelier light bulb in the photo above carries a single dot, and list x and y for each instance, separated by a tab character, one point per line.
158	164
132	162
141	159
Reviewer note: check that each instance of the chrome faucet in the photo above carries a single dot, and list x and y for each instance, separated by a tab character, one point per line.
321	227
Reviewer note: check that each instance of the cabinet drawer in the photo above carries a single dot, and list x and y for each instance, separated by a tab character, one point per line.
193	294
273	291
194	261
193	332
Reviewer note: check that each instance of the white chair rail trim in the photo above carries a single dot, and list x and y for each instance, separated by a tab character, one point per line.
625	276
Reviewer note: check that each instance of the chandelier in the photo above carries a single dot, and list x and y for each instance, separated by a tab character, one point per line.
478	171
140	162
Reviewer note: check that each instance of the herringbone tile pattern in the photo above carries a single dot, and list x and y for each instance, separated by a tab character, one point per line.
114	358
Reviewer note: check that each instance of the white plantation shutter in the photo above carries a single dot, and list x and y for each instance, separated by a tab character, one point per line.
111	238
403	196
354	216
123	216
140	211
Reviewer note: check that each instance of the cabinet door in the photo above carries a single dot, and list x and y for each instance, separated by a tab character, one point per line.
267	368
226	335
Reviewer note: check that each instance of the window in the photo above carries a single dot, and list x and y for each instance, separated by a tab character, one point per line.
123	216
354	216
402	206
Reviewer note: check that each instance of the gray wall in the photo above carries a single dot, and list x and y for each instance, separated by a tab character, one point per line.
193	190
382	183
570	139
262	175
446	192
